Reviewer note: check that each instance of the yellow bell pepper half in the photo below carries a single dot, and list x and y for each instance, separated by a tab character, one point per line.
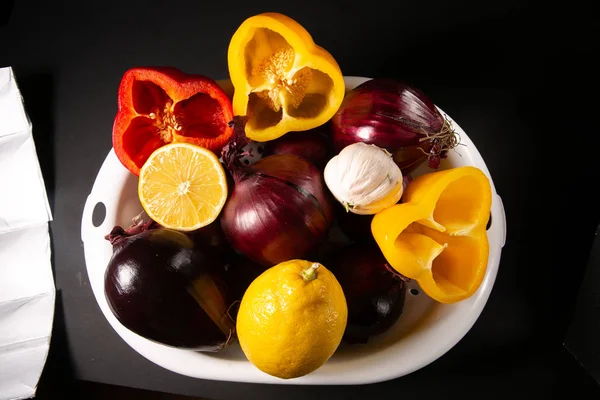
282	80
437	235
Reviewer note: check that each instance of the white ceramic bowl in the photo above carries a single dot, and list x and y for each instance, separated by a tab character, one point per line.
424	332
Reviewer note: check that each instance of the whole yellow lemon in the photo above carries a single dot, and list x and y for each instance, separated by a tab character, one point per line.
292	318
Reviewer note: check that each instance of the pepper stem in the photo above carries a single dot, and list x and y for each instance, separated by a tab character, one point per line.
310	273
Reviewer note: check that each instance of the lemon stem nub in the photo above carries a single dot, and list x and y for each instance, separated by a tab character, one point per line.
310	273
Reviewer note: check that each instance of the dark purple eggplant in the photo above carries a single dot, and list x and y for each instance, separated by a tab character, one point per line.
374	291
313	145
166	287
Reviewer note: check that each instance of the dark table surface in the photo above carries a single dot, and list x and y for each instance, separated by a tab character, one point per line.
515	77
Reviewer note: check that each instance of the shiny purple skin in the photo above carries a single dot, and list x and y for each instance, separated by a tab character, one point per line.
389	114
279	210
147	287
312	145
374	292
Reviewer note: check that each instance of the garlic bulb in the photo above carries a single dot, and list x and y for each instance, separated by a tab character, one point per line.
364	178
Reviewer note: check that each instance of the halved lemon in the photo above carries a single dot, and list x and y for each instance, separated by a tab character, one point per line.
182	186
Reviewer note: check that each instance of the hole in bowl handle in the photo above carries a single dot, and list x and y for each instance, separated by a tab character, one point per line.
94	218
99	214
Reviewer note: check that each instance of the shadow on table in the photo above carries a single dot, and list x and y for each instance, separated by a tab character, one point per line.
57	377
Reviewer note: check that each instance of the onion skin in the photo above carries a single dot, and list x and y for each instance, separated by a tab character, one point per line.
374	291
395	116
279	210
160	284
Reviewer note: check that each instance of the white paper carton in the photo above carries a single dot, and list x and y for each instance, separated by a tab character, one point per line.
27	290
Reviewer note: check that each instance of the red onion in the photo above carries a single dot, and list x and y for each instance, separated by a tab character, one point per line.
374	291
355	226
312	145
279	208
395	116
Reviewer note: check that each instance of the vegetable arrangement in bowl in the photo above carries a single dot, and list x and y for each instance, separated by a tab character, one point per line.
236	246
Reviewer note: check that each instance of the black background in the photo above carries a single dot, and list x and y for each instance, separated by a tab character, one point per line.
517	76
